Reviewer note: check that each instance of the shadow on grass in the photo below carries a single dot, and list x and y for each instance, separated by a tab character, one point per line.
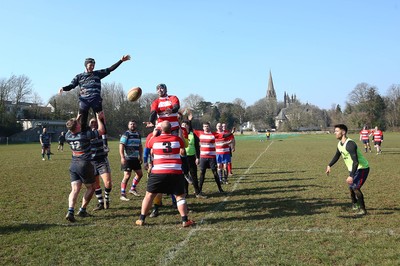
269	208
273	173
5	230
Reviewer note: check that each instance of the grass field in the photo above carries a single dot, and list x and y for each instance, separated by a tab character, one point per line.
280	209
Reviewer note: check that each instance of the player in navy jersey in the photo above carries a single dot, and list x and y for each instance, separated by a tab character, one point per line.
81	168
45	141
102	169
89	83
61	140
131	153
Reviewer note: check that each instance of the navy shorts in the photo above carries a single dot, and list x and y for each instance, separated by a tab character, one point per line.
95	103
377	143
131	165
166	183
359	178
365	141
82	171
101	166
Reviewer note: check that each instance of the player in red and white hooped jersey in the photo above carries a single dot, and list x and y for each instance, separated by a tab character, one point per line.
164	108
223	153
208	154
232	148
378	139
364	137
166	175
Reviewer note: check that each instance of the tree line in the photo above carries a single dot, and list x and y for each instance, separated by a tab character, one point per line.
365	106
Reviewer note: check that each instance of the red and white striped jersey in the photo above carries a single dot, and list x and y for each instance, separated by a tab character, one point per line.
378	135
160	106
222	145
166	152
364	134
207	143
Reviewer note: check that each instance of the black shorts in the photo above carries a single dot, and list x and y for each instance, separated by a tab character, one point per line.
101	166
166	183
208	163
81	170
131	165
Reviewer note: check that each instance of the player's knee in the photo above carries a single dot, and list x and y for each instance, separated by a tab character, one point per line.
181	201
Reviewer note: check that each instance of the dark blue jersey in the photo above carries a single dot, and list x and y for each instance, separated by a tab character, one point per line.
80	144
45	138
98	151
61	138
89	83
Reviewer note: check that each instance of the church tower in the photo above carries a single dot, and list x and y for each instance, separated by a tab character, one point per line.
271	94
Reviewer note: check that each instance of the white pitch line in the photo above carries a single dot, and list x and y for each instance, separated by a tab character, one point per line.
172	253
386	231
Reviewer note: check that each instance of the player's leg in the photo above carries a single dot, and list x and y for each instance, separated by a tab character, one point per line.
146	205
73	195
181	202
355	204
193	172
183	211
157	203
86	199
107	188
43	152
138	176
213	166
203	168
359	179
124	183
48	152
98	192
97	107
360	200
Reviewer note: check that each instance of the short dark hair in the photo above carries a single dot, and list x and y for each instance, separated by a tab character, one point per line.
342	127
89	60
161	86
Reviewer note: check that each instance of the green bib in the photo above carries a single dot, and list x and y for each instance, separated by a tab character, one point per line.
191	150
362	162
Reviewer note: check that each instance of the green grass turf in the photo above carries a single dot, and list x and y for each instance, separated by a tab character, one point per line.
280	209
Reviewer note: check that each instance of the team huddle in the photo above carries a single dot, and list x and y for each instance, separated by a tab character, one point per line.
171	154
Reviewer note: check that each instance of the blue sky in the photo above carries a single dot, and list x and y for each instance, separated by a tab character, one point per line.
219	49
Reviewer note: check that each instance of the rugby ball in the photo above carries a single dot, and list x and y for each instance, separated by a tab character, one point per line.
134	94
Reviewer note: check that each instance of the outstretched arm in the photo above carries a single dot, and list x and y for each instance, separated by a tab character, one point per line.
123	59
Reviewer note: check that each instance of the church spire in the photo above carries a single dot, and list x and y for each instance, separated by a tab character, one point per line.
271	90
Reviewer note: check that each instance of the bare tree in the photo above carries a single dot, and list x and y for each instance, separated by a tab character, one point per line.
21	88
192	101
392	101
239	111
